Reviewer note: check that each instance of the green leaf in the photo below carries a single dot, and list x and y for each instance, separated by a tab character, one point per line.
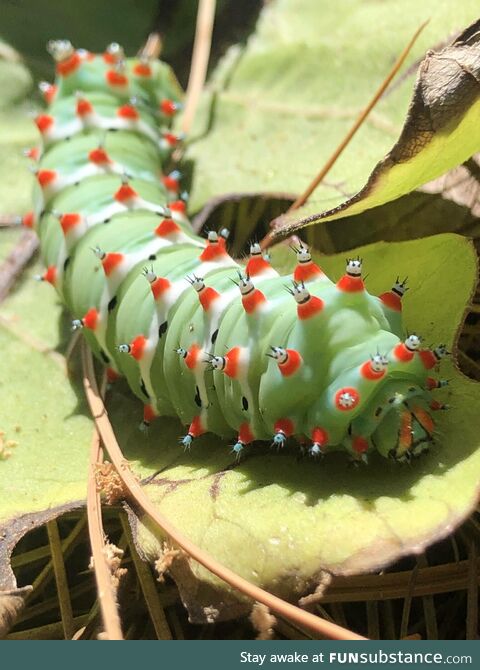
440	132
43	416
277	109
279	521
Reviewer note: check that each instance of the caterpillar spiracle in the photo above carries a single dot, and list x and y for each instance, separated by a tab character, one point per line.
235	350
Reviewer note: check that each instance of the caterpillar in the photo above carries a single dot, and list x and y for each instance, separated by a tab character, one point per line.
232	349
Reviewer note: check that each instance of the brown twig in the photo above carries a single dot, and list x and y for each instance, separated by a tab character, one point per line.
17	259
302	199
103	576
277	605
201	54
152	47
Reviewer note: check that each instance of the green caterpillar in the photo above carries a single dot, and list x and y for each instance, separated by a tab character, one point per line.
237	351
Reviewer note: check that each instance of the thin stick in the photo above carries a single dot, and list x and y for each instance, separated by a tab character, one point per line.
103	576
281	607
302	199
147	584
200	56
63	593
15	262
152	47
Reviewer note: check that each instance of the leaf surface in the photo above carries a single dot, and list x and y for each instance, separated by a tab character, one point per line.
278	107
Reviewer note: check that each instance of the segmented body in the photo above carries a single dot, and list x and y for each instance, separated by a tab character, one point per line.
224	347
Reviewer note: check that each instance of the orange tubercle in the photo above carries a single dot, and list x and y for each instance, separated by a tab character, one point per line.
310	308
284	426
167	227
253	300
392	301
159	286
350	284
125	193
116	78
137	347
69	65
291	365
111	261
90	320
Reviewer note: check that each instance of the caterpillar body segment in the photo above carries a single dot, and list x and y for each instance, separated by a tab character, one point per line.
235	350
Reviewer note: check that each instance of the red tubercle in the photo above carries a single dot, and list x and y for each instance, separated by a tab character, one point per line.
428	358
307	271
232	362
167	227
69	221
291	365
196	428
253	300
355	398
435	405
69	65
159	286
44	122
111	261
191	358
112	375
99	157
168	107
245	434
28	220
170	183
212	251
137	347
91	318
33	153
360	445
349	284
402	353
206	296
367	372
284	426
49	91
46	177
170	138
128	112
256	266
178	206
392	301
310	307
115	78
142	70
125	193
319	436
149	413
84	107
110	58
50	275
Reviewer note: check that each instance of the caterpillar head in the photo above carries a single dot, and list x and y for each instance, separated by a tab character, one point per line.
403	425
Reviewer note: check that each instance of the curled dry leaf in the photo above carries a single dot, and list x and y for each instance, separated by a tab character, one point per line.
440	132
